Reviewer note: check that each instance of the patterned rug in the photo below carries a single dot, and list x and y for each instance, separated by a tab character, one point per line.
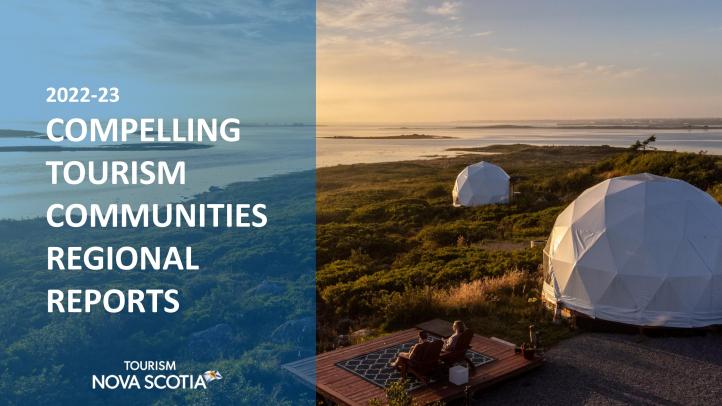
374	366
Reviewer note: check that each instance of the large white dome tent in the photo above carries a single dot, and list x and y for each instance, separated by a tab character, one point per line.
480	184
643	250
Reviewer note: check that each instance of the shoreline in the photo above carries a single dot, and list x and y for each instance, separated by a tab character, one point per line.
488	150
194	197
498	148
391	137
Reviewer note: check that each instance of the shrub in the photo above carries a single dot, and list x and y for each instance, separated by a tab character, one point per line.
572	182
369	214
472	295
338	241
324	216
448	233
437	191
700	170
341	271
716	192
397	395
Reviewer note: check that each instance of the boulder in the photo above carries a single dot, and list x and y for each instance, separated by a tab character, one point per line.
210	342
363	333
267	288
296	331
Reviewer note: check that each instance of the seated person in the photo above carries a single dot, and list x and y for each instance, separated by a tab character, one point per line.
416	352
450	343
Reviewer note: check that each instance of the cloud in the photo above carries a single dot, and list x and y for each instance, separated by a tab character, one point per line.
448	9
629	73
380	20
367	79
376	64
225	39
361	15
610	70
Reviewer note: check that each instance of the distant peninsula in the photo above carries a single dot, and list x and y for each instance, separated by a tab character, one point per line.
393	137
5	133
595	127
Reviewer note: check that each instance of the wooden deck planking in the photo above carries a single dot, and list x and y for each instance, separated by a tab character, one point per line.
346	388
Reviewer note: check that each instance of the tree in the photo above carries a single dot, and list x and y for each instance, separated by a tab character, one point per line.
636	146
643	145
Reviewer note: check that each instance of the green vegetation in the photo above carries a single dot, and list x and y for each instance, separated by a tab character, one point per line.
393	252
226	322
397	395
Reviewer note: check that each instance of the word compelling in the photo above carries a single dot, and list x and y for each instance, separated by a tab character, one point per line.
145	130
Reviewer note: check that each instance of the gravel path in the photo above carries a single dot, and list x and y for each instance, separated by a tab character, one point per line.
611	369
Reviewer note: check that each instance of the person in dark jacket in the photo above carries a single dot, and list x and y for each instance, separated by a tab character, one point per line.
416	352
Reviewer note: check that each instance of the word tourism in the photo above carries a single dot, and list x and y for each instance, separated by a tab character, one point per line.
117	172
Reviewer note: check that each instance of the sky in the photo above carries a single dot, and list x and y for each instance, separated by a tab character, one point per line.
253	59
455	60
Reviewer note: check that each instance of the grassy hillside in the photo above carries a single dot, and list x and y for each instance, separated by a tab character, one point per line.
392	251
227	320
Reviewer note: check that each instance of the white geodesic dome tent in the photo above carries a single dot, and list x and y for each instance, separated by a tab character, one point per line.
480	184
643	250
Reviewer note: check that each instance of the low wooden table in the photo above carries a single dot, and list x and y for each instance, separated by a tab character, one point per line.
438	327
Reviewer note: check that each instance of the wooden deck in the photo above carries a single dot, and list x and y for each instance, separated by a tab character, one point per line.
345	388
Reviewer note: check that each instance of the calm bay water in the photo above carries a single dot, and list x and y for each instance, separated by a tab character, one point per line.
332	152
25	189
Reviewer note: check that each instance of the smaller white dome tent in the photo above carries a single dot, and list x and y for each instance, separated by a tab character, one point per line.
643	250
480	184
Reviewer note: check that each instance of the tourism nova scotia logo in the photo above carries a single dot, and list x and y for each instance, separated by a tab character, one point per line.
161	375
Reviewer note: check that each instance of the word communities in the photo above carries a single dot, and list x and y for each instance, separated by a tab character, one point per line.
240	215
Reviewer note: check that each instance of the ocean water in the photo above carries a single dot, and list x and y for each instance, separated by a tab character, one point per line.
26	190
337	151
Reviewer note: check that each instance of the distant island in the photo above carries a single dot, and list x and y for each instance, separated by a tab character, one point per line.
597	127
508	148
5	133
496	126
393	137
